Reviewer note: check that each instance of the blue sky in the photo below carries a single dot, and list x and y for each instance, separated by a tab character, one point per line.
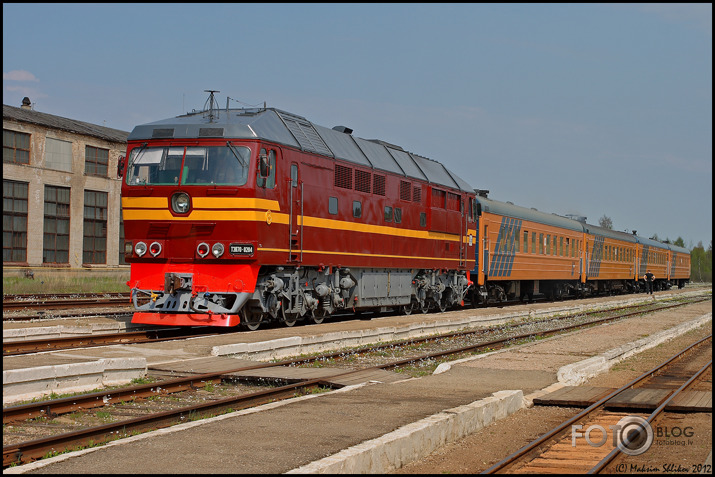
588	109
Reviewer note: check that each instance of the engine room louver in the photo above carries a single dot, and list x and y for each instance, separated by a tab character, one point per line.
162	132
305	134
211	132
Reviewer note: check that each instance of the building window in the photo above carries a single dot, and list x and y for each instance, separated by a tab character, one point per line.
58	155
15	147
95	227
14	221
96	161
56	239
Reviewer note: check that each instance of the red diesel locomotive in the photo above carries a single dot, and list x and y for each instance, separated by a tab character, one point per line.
258	215
249	216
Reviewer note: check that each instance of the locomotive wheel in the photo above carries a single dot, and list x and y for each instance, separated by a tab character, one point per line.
289	319
408	309
251	321
318	317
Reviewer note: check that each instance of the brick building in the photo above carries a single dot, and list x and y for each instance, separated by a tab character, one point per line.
61	194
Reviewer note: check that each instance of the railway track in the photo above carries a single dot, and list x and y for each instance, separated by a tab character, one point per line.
17	347
22	452
620	433
62	301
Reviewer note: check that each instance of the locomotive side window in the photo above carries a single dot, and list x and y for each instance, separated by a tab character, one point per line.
388	214
333	205
423	219
294	175
268	182
357	209
398	215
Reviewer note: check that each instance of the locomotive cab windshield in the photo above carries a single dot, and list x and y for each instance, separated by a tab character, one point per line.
189	165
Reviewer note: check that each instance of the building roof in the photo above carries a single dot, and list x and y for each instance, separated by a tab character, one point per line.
292	130
64	124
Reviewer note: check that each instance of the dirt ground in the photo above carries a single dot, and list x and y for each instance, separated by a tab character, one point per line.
485	448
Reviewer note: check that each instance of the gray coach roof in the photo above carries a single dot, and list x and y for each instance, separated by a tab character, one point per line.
532	215
281	127
676	248
614	234
654	243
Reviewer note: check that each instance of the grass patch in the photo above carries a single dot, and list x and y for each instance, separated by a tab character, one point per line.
81	281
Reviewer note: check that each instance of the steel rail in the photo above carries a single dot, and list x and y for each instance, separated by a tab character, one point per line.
600	403
617	451
13	348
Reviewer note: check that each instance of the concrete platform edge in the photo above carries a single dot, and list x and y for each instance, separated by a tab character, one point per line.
413	441
577	373
30	383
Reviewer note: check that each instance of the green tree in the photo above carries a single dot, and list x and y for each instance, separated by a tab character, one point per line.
679	242
701	263
605	222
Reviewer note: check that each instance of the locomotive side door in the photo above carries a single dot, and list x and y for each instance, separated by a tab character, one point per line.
295	219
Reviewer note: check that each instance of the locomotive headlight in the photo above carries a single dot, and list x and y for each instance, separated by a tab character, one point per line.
217	250
202	249
180	202
140	248
155	248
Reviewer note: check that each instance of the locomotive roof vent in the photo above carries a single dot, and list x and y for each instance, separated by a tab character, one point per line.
162	133
481	192
343	129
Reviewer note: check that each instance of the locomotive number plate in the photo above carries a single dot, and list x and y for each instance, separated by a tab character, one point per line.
241	249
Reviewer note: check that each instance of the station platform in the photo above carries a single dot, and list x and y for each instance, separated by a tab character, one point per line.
374	426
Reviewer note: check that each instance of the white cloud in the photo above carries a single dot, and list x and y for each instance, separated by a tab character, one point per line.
19	75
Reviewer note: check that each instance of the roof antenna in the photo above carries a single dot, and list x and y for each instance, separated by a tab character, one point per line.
211	102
